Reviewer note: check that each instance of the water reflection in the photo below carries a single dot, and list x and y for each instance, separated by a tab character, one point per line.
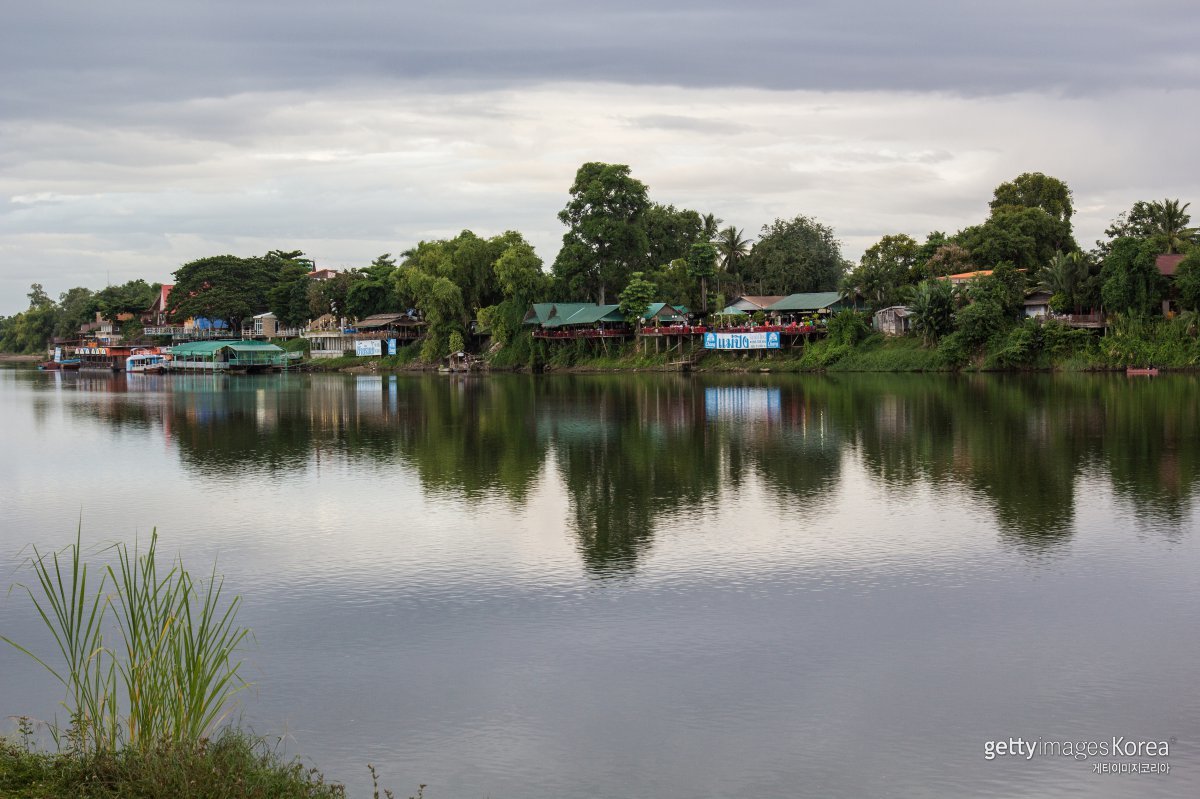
634	453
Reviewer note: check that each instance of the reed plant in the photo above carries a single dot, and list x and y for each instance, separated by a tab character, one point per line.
147	654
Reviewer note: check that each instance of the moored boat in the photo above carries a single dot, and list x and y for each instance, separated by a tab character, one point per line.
147	363
66	365
1149	371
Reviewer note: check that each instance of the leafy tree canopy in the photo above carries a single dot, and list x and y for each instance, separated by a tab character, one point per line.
1187	281
606	236
1025	236
637	296
796	255
886	270
1131	281
223	287
1035	190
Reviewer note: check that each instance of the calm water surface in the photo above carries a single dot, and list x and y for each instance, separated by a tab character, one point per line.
638	586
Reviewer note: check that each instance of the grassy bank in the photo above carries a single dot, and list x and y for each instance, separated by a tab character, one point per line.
232	765
1027	346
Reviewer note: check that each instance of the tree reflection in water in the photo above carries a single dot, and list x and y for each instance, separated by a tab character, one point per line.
634	454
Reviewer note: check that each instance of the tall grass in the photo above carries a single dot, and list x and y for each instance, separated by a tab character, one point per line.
171	676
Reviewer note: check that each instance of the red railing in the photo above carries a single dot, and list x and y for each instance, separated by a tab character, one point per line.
588	333
789	329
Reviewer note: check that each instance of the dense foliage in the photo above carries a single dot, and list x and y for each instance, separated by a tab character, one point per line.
474	284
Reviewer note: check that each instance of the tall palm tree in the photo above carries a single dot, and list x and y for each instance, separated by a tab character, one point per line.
732	249
1170	220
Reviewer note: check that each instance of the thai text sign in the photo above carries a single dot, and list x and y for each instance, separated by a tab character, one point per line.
741	341
372	347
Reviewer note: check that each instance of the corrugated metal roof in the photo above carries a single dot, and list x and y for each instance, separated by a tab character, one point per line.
586	315
811	301
541	312
388	320
211	347
557	314
1167	264
755	302
665	312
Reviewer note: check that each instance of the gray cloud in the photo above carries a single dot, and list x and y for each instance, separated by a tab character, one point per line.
138	135
87	57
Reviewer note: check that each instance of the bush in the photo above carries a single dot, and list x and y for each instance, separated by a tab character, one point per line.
232	764
848	327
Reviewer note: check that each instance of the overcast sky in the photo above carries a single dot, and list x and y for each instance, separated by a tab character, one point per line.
136	135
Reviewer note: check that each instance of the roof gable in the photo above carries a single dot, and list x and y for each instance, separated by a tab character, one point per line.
808	301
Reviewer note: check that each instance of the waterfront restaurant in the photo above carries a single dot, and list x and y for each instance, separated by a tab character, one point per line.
816	305
228	356
574	320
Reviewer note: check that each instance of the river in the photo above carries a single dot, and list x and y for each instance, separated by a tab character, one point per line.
656	585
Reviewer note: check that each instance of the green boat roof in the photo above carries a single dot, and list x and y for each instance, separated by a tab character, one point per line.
211	347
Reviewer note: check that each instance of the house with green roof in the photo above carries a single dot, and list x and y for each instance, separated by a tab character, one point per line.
576	320
815	303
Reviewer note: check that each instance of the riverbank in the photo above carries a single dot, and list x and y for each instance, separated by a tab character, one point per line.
1025	349
234	764
9	357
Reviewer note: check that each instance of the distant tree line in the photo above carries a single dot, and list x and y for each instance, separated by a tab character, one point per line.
620	246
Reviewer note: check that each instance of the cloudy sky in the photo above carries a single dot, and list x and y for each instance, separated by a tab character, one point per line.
136	135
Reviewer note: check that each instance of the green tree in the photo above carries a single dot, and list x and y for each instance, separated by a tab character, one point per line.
223	287
932	305
440	302
671	232
1035	190
131	297
30	331
1025	236
636	298
796	255
701	260
519	272
372	290
1169	222
1131	281
886	270
1187	281
732	248
606	239
76	307
522	281
1064	276
329	296
38	298
288	299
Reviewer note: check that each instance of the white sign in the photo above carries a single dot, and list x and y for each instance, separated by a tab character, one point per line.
373	347
741	341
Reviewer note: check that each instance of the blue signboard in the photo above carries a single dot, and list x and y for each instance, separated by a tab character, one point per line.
741	341
391	346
